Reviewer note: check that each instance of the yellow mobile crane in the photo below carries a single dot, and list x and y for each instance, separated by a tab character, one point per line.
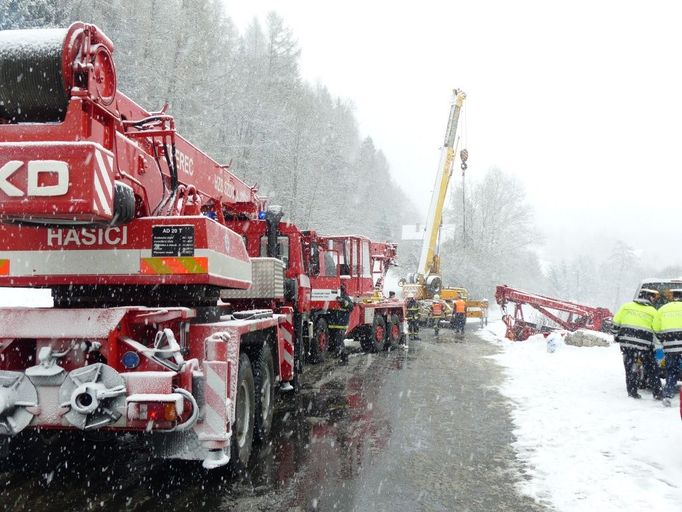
427	281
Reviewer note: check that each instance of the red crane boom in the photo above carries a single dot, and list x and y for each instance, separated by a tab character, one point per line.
578	316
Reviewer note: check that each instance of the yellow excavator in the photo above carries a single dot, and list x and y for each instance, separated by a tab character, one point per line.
427	282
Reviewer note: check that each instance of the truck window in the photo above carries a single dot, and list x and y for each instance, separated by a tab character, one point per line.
663	288
329	269
366	266
282	248
344	263
355	258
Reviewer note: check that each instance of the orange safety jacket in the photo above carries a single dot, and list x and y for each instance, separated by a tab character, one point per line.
460	306
437	309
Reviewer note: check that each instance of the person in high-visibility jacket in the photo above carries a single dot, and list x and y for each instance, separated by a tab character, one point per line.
459	311
633	328
437	313
668	329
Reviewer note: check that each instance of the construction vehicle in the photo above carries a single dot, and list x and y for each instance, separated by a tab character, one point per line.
331	299
427	280
103	203
360	311
181	300
577	316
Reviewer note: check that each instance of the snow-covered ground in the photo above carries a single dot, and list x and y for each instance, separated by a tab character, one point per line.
586	445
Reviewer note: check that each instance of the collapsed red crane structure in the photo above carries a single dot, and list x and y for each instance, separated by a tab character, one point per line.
579	316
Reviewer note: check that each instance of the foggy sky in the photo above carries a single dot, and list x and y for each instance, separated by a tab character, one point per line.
580	100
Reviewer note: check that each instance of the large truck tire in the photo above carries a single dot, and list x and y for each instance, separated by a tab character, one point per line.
264	384
320	342
395	334
242	430
124	204
376	340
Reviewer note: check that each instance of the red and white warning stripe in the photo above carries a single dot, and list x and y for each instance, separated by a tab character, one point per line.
286	350
102	181
215	410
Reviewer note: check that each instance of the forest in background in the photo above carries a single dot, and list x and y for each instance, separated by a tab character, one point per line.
240	97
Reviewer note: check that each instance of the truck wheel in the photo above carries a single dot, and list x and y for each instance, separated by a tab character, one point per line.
377	339
394	332
320	342
264	382
242	430
124	204
365	338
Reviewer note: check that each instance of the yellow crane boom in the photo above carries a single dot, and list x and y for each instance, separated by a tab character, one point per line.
429	261
427	281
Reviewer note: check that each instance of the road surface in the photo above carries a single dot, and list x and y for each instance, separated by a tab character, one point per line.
421	428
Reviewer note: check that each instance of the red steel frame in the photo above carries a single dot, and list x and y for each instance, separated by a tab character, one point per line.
579	315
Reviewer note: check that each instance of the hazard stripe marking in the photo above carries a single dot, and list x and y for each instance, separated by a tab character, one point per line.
174	265
107	180
100	194
215	393
101	175
103	172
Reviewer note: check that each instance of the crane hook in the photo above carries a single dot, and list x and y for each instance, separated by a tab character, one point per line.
464	156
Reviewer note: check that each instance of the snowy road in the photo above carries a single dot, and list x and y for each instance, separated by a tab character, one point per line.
423	429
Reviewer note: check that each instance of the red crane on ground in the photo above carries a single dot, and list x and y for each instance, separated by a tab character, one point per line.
577	316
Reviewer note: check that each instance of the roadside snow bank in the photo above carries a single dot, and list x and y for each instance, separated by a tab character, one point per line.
586	445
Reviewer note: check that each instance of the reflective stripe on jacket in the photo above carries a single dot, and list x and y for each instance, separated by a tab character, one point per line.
634	324
668	326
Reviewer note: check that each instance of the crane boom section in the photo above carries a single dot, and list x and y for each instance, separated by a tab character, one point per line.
428	261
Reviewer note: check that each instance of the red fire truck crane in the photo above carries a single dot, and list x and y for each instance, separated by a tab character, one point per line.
137	234
323	292
578	316
105	204
376	322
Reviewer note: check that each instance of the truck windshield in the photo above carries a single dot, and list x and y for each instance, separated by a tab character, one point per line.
663	288
282	248
329	267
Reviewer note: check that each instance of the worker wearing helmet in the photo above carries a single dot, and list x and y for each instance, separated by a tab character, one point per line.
437	313
633	327
668	329
412	307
